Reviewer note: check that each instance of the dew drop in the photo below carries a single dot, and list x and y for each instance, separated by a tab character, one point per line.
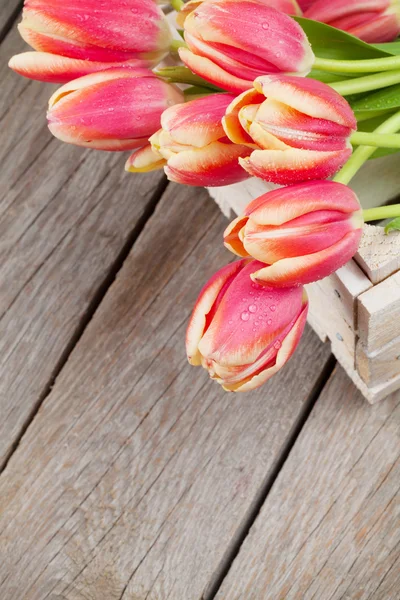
277	344
252	308
269	322
273	308
265	25
245	316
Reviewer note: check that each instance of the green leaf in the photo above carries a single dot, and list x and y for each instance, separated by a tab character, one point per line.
329	42
390	47
385	99
393	225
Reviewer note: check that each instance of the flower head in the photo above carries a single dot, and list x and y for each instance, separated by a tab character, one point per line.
243	333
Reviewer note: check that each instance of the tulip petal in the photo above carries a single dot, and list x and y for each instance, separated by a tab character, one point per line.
212	73
309	97
310	268
117	109
204	304
197	123
88	29
289	203
232	239
294	165
336	9
214	165
52	68
285	352
244	310
256	28
231	122
144	160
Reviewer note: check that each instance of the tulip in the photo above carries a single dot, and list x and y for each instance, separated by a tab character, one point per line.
241	332
373	21
298	128
290	7
192	145
77	37
302	233
231	42
305	4
117	109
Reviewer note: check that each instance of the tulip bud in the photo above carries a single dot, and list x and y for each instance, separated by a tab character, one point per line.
373	21
117	109
77	37
241	332
193	144
290	7
231	42
302	232
298	128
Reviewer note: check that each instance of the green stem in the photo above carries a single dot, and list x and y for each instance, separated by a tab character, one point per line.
184	75
176	44
370	65
177	4
363	138
381	212
366	115
363	153
366	84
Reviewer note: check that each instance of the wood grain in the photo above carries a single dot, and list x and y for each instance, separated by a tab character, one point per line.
378	254
9	10
65	216
330	530
137	471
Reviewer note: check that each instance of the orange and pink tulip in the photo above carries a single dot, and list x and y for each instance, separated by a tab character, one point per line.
373	21
241	332
302	232
299	129
230	43
192	145
117	109
77	37
290	7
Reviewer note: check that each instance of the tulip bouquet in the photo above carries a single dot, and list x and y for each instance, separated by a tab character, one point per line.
299	94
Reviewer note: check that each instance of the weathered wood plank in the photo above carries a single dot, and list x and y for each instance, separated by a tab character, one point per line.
330	527
137	471
9	10
65	216
378	254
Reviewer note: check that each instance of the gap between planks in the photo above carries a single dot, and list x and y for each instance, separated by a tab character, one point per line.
254	510
88	315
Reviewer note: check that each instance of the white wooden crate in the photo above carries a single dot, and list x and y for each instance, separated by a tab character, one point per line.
357	308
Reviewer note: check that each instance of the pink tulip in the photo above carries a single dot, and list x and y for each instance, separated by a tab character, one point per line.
302	232
77	37
117	109
241	332
298	128
290	7
192	145
231	42
373	21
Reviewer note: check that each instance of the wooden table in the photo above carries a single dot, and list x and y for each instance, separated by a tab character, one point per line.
127	474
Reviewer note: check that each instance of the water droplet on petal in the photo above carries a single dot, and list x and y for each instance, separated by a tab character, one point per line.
269	322
245	316
265	25
277	344
273	308
252	308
